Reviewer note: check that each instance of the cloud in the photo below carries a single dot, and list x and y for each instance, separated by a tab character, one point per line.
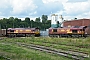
22	6
48	6
36	8
19	8
4	3
76	8
5	7
77	1
55	1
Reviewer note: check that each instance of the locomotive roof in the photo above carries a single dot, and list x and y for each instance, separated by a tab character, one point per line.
20	28
72	27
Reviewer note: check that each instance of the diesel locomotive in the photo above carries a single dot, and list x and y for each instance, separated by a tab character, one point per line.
14	32
74	31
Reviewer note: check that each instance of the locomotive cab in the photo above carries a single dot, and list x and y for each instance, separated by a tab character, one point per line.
37	32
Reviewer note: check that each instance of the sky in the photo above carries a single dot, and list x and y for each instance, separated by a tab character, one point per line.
69	9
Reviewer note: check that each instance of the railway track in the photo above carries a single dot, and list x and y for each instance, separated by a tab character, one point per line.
4	57
64	44
68	45
68	54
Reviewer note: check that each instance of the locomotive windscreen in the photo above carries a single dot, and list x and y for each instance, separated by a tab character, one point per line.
11	30
74	31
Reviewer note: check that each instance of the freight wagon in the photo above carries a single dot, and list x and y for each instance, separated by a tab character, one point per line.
2	32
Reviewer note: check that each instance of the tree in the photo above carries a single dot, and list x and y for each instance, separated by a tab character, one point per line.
32	24
44	18
16	22
27	21
48	23
37	19
11	18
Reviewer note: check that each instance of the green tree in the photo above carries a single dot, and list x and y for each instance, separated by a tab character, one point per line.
32	24
27	21
17	22
11	19
37	19
48	24
44	18
4	23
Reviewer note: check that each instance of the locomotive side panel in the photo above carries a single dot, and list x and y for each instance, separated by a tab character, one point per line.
23	32
59	32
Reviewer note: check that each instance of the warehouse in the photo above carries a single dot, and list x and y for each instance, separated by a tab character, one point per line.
78	22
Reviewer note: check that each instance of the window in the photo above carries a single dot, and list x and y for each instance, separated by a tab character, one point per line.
81	29
74	31
54	30
11	30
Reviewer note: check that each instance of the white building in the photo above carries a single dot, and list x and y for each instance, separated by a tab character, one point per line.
54	20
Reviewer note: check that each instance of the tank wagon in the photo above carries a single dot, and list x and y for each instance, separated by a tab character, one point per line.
13	32
74	31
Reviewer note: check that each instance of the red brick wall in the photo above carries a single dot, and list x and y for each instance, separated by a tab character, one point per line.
80	22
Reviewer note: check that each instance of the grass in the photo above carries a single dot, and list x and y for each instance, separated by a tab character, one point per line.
62	43
17	53
1	58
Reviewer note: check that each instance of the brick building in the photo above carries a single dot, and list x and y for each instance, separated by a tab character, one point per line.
78	22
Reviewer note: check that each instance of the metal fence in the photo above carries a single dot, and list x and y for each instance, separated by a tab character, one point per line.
44	33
